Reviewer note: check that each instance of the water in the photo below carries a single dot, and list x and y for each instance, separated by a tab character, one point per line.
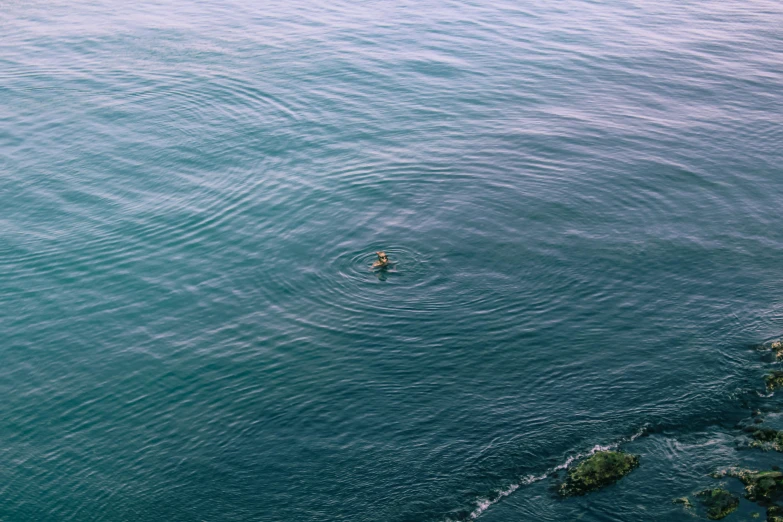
583	200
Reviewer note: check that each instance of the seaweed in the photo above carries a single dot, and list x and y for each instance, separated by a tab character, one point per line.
764	487
767	439
774	514
777	347
685	501
596	471
774	380
718	502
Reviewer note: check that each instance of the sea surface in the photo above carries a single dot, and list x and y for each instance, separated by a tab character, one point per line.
582	200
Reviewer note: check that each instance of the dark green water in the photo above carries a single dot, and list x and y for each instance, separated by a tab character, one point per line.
583	200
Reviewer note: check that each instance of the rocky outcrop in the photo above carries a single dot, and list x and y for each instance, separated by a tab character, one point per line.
765	487
777	348
774	514
684	501
766	439
774	380
600	469
718	502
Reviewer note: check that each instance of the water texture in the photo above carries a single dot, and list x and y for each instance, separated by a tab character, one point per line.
582	200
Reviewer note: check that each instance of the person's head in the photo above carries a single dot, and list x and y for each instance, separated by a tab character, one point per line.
382	257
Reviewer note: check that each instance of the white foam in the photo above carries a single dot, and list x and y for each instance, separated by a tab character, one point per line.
567	462
483	504
642	431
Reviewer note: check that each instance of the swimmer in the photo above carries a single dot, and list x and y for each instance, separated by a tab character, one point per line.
382	262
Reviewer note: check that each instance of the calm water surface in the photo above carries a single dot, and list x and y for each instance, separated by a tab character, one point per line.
583	201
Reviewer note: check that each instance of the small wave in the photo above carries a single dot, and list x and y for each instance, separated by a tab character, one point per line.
484	503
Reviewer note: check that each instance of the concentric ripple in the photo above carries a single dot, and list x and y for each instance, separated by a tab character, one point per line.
405	267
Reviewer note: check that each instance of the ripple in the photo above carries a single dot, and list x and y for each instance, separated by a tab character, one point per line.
347	285
406	267
582	221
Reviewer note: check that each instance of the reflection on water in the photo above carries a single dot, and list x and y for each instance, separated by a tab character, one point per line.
579	200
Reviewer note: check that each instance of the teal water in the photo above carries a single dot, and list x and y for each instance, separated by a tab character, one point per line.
583	200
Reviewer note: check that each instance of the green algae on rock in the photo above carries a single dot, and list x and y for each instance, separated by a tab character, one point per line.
600	469
685	501
774	380
774	514
764	487
777	347
718	502
767	439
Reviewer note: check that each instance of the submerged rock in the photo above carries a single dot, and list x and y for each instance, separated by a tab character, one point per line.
777	347
774	380
774	514
765	487
718	501
685	501
600	469
767	439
